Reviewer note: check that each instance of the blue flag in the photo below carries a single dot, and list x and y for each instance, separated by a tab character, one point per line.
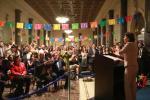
47	27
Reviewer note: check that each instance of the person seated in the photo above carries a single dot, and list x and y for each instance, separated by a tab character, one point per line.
60	69
19	77
2	83
5	65
42	70
74	64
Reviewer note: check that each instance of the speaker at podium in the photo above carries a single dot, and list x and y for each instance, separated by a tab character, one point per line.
107	81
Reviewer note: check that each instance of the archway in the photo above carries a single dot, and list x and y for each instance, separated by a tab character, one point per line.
138	24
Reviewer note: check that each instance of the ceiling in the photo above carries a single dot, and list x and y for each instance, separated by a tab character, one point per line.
76	10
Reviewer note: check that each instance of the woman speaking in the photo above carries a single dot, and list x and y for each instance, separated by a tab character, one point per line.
130	54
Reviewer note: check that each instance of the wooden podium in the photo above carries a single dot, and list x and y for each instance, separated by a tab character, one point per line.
106	78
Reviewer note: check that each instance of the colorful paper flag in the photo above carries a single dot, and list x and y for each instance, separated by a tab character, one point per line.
65	26
20	25
37	37
75	26
42	38
60	39
85	38
56	26
38	26
56	39
120	20
111	22
9	24
84	25
28	26
72	39
67	39
128	18
47	27
76	39
93	24
2	23
52	39
103	22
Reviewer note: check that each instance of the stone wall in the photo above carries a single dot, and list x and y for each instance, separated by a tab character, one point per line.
116	6
7	9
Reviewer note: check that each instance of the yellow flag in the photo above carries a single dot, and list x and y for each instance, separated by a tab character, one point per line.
56	26
20	25
111	22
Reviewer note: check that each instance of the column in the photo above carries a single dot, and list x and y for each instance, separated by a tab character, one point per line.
98	35
44	35
147	28
146	50
49	35
80	36
64	38
123	14
17	19
103	35
30	31
110	28
38	34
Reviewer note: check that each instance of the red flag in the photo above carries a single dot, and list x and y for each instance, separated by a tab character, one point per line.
128	18
1	23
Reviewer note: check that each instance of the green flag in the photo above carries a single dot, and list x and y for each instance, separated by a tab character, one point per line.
75	26
113	33
90	37
42	38
103	22
9	24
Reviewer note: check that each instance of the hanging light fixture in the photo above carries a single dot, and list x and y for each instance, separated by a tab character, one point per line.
68	31
62	18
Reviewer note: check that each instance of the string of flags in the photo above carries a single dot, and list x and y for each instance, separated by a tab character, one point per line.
71	39
48	27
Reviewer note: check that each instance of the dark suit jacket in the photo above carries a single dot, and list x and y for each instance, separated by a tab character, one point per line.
55	67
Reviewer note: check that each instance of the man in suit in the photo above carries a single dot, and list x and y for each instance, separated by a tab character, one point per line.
92	52
59	68
130	54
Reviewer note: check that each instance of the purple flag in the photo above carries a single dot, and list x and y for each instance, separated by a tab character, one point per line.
84	25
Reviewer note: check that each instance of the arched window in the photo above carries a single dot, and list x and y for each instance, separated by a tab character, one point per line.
138	23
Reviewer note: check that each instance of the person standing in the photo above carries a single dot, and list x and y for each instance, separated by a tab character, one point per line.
130	54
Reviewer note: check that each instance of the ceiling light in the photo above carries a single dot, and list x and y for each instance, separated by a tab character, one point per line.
62	19
70	36
68	31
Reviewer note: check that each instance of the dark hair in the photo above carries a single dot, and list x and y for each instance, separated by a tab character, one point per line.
130	36
15	57
14	46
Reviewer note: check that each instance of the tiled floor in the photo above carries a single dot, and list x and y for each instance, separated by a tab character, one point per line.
81	90
86	88
61	94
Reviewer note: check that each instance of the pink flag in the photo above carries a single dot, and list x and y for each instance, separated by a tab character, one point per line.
38	26
37	37
65	26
